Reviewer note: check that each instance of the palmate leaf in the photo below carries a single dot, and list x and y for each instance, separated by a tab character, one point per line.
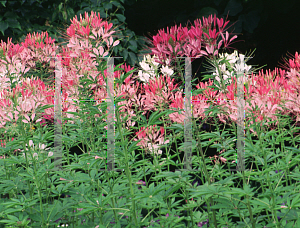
156	115
223	204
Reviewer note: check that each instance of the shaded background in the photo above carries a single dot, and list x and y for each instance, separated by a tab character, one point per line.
269	26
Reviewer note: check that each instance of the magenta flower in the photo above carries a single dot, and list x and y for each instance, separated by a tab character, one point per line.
199	40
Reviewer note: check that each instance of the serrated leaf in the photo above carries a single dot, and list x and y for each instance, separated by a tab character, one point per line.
14	218
13	23
132	48
118	5
132	57
3	26
10	14
125	54
133	43
121	17
107	6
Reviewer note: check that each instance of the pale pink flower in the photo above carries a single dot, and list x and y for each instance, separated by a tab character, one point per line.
167	70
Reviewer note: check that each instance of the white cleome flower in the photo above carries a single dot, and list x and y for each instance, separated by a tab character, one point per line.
145	66
154	62
150	67
143	76
154	149
38	148
151	60
166	70
233	60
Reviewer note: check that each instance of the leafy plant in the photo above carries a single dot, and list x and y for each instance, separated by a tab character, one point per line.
146	188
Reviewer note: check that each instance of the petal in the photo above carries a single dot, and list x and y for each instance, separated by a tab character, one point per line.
116	43
96	51
10	115
110	40
26	116
101	50
32	116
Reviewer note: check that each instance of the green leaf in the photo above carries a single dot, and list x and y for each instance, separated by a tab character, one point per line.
3	3
14	218
10	14
292	215
107	6
223	204
125	54
121	17
207	11
133	58
263	203
60	7
13	23
118	5
70	12
156	115
3	26
234	7
133	45
54	15
84	4
251	21
87	9
295	200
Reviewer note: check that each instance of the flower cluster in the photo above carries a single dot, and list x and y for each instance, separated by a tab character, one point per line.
227	66
150	68
155	136
145	97
203	38
37	150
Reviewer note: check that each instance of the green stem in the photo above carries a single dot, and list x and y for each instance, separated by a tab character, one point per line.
113	200
248	202
219	71
128	173
207	177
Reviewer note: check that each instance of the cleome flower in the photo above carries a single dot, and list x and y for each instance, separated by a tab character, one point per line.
228	64
38	150
150	67
151	139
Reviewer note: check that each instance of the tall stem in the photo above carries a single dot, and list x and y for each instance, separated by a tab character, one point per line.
128	173
207	178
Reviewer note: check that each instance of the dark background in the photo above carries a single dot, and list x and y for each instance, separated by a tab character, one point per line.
270	26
